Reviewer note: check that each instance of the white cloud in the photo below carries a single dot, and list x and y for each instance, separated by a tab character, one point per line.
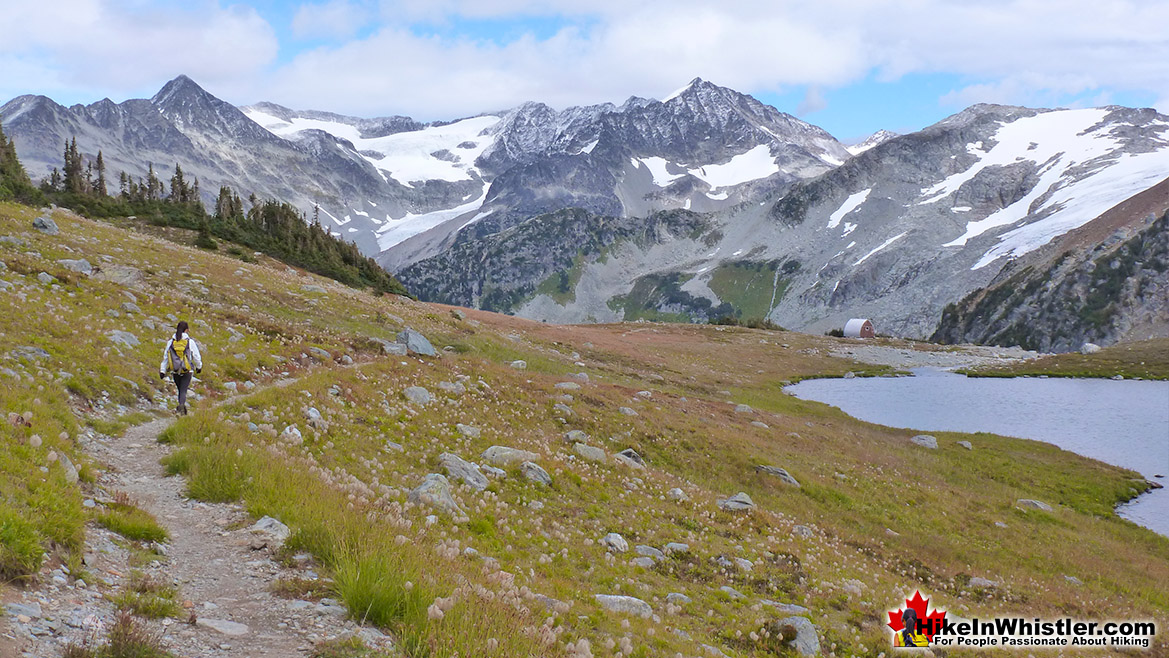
814	101
337	19
1017	51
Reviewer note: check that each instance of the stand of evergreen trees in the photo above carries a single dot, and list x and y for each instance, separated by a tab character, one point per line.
271	227
14	182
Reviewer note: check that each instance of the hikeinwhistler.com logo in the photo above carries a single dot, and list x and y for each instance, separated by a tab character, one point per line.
916	625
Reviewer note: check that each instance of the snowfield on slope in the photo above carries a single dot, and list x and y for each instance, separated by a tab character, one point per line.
743	168
406	157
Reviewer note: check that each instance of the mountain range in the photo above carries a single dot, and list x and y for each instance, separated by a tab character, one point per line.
702	205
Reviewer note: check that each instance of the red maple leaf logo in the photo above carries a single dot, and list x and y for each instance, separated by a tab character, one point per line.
930	623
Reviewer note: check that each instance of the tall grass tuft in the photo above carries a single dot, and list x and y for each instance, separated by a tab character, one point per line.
20	546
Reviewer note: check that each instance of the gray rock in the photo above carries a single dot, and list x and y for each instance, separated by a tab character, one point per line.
561	409
416	342
1073	580
799	633
460	469
292	434
32	610
568	386
123	338
677	494
29	352
675	547
269	532
232	628
312	414
505	456
46	278
320	354
71	475
312	288
649	551
390	349
590	453
627	411
417	395
630	455
780	473
760	424
576	436
626	605
982	583
615	542
925	441
519	364
535	473
739	502
1029	503
1089	348
435	491
4	285
803	531
81	266
966	444
743	409
454	388
46	225
785	608
677	598
733	593
14	241
580	376
744	564
469	431
643	562
492	472
458	315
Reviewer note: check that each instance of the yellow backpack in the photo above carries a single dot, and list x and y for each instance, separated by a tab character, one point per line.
180	359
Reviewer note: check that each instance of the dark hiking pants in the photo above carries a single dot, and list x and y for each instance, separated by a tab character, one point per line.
183	382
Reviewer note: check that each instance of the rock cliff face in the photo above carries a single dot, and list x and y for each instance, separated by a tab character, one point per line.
1082	289
895	233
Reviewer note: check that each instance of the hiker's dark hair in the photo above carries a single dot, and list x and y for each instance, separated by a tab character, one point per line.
180	329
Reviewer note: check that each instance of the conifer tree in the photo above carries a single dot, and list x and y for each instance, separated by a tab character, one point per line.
100	185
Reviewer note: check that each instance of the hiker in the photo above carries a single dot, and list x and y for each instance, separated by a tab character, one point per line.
911	635
179	359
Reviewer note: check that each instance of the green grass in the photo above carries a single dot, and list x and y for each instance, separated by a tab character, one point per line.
126	638
1148	359
147	597
131	522
750	287
20	546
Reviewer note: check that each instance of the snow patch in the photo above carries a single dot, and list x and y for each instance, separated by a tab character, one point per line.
961	209
884	244
721	196
411	225
589	147
850	204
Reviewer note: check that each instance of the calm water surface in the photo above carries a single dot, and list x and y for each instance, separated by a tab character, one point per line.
1125	423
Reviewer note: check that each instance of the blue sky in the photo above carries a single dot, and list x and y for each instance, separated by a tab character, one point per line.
849	66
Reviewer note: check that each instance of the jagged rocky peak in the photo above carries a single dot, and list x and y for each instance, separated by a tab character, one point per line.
192	109
876	139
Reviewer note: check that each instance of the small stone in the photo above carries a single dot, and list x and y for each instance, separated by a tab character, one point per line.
435	491
80	266
505	456
743	409
780	473
123	338
627	411
535	473
519	364
234	629
469	431
268	532
590	453
46	278
731	592
677	494
576	436
677	598
615	542
568	386
675	547
643	562
739	502
417	395
1029	503
624	605
966	444
802	531
979	582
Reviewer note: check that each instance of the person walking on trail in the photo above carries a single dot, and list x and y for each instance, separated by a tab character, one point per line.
181	360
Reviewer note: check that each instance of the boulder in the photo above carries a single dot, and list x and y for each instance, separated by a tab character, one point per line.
643	562
615	542
732	593
785	608
519	364
123	338
568	386
505	456
799	633
469	431
675	547
677	598
630	457
743	409
46	225
435	491
925	441
677	494
780	473
417	395
576	436
590	453
268	532
46	278
739	502
979	582
392	349
81	266
802	531
460	469
454	388
627	411
649	551
416	342
966	444
535	473
626	605
1089	348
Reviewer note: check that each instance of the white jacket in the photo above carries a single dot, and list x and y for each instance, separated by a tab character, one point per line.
196	359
